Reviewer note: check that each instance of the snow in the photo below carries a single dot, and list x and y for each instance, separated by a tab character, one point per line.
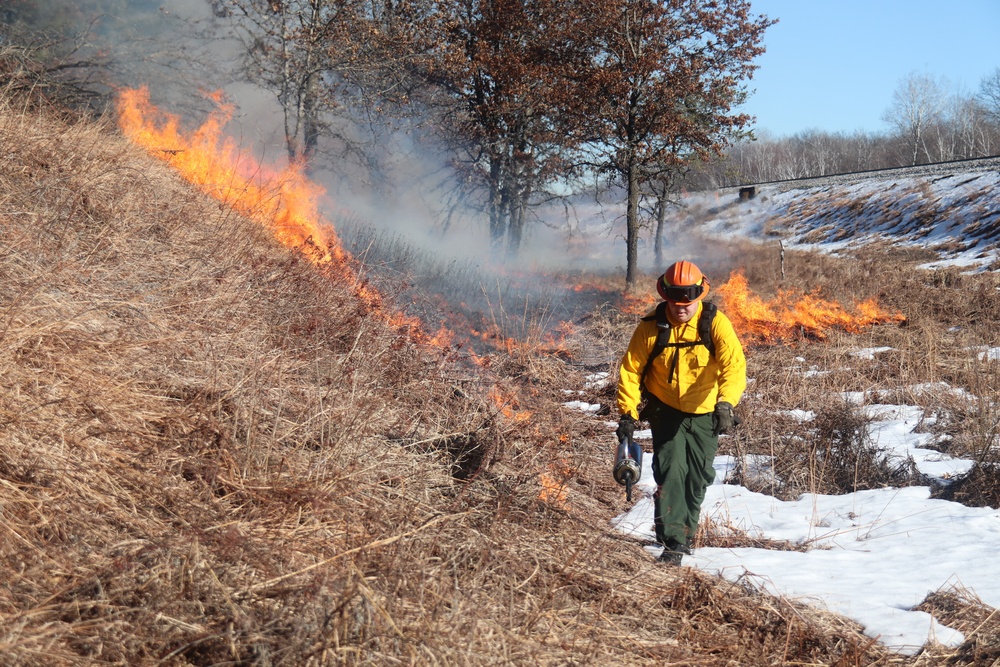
871	556
583	405
869	352
953	214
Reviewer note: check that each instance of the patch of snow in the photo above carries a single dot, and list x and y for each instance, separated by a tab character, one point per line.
872	555
869	352
582	405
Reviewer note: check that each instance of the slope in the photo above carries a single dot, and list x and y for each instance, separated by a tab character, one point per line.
947	213
213	453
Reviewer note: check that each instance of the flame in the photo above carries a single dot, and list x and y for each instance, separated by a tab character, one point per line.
554	481
283	200
552	490
508	405
792	315
636	303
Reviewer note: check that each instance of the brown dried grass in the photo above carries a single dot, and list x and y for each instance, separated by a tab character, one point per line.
962	610
211	453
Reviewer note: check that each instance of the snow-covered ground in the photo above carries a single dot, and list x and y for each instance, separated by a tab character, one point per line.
953	214
872	555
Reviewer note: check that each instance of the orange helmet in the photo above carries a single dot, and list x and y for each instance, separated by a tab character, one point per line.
682	283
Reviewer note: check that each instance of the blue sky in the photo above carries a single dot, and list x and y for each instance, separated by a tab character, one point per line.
833	65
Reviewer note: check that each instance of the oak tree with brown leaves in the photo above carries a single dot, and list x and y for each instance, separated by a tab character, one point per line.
664	84
499	65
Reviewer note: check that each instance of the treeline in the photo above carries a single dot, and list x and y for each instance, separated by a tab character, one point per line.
526	99
929	122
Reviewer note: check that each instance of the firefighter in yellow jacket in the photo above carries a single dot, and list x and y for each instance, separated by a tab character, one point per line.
690	390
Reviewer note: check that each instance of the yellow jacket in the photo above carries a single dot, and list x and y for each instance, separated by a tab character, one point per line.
700	380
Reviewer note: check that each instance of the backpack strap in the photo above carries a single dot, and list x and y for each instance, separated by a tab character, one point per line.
662	339
708	312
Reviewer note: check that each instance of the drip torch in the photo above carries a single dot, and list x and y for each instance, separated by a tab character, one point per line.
628	465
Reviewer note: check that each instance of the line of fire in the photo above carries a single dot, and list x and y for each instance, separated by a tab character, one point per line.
288	203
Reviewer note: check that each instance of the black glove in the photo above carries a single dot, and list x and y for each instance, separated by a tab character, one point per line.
626	427
722	418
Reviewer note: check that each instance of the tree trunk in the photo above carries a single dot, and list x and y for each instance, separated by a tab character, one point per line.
310	120
632	228
661	218
516	228
498	207
519	210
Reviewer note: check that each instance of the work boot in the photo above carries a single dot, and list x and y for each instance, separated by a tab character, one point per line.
670	557
674	551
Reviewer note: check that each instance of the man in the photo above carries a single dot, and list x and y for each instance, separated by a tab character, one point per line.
690	390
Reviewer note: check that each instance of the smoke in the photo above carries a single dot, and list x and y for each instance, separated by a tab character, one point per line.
189	49
186	49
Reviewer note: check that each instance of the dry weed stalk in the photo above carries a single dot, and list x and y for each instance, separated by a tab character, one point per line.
210	453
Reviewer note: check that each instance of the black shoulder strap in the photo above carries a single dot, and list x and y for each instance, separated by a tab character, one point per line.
708	311
662	339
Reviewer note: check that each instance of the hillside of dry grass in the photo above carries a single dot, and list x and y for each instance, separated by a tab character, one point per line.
211	453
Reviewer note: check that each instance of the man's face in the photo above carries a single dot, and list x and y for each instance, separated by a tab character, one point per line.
682	313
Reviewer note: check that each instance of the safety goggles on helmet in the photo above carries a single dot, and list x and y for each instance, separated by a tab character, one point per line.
682	293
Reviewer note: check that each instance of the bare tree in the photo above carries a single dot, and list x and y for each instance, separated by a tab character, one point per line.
663	191
959	130
93	47
54	68
917	104
928	123
50	55
989	95
978	129
312	55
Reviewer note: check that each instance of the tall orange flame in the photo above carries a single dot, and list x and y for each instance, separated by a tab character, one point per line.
285	200
791	315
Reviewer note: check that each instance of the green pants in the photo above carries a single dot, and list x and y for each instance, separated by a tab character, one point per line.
683	453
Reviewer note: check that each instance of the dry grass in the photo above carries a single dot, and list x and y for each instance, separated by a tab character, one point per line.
933	360
962	610
211	453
